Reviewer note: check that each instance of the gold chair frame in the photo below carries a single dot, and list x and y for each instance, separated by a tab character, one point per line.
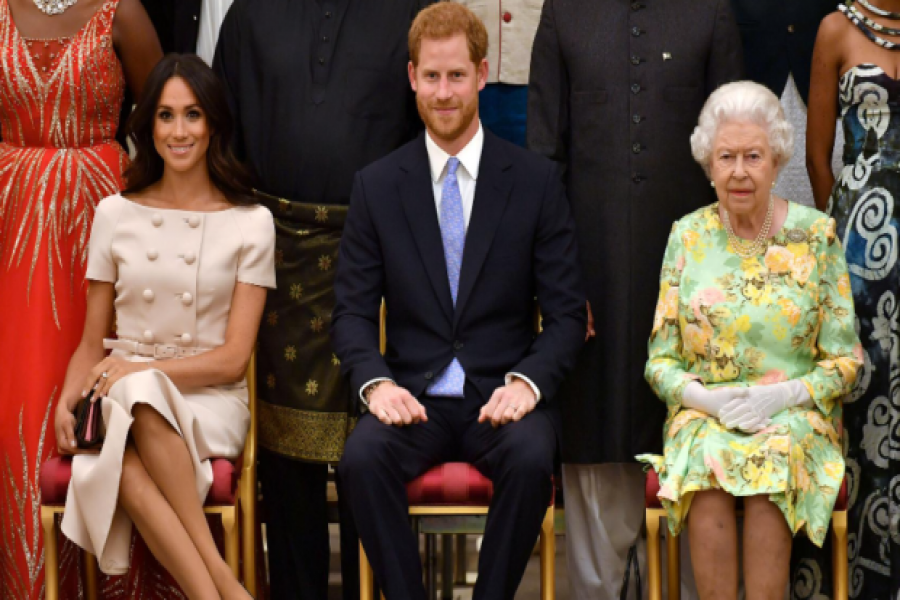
238	519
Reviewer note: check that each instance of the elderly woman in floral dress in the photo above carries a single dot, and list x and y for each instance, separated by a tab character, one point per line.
753	346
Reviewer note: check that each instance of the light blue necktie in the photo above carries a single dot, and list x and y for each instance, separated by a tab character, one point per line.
451	381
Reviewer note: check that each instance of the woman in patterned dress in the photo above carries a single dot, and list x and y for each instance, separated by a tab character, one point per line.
61	82
855	78
752	347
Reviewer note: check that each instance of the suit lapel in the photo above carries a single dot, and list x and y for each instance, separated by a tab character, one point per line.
492	191
417	196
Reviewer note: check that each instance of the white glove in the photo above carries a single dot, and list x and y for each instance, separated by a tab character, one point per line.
754	411
697	396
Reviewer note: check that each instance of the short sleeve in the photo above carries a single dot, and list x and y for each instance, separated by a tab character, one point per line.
256	264
101	265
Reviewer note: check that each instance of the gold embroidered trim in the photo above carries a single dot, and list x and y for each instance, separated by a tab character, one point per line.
302	434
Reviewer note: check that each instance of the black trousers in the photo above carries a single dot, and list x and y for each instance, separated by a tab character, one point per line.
379	460
297	530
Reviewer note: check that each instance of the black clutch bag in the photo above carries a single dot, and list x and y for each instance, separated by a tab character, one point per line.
88	423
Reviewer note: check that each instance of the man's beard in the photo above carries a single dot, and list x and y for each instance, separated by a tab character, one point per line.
444	130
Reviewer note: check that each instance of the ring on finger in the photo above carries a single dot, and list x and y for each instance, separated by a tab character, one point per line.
104	375
514	408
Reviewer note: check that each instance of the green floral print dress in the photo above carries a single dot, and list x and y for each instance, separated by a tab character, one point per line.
723	321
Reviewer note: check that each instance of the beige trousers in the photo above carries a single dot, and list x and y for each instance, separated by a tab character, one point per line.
604	518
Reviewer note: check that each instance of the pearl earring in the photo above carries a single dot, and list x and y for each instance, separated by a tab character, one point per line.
712	184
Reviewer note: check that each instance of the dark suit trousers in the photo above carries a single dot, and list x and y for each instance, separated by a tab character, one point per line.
379	460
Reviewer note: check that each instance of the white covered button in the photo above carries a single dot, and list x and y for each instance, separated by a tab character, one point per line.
149	295
186	338
156	219
194	221
187	299
152	253
190	257
148	336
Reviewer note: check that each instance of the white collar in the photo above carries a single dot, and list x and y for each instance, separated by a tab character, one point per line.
469	157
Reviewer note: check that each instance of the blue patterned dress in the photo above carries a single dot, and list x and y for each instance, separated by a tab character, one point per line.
863	205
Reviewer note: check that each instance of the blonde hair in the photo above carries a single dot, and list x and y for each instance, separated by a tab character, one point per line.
743	101
446	19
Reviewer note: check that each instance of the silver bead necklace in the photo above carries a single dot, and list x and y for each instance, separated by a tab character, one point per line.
744	248
53	7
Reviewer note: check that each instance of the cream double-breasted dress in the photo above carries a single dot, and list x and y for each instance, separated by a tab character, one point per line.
174	272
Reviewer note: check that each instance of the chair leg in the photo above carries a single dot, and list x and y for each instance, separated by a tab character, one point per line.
548	556
366	577
841	567
446	566
654	560
91	585
229	526
460	575
248	538
51	554
673	566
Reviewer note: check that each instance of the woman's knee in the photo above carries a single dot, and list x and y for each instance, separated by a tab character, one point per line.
712	505
147	420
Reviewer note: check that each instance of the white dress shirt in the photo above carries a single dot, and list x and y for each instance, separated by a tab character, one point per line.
467	177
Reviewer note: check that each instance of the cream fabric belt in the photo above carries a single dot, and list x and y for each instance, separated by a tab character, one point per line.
153	350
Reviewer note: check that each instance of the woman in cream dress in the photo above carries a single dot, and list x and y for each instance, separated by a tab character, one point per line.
181	260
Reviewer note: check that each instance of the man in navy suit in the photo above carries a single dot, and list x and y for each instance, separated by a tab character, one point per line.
459	232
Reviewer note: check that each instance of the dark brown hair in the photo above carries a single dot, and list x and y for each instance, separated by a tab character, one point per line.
228	174
446	19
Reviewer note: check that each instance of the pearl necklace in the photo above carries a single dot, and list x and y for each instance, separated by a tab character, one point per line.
54	7
743	248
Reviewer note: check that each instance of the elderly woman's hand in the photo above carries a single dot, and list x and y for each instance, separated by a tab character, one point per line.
751	412
698	397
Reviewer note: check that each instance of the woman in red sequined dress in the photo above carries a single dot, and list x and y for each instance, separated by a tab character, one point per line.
62	78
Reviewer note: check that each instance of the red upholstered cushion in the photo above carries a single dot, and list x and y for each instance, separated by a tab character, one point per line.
56	473
651	489
451	483
841	502
55	476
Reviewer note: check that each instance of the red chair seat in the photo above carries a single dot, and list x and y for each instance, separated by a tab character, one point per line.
56	473
651	489
458	484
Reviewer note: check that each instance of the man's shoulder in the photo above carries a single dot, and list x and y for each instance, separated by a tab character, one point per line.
528	165
392	163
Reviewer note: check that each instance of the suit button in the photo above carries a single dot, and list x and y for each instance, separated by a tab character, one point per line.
507	17
149	295
635	119
790	29
636	32
635	60
190	257
187	299
429	375
636	6
148	336
636	148
637	178
194	221
635	88
152	254
321	61
457	345
156	219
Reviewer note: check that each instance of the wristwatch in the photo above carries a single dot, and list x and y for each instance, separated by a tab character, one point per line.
369	389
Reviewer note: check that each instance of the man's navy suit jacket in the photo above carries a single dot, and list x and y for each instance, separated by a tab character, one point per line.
520	246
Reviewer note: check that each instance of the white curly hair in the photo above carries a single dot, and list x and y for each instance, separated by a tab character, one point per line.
747	102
